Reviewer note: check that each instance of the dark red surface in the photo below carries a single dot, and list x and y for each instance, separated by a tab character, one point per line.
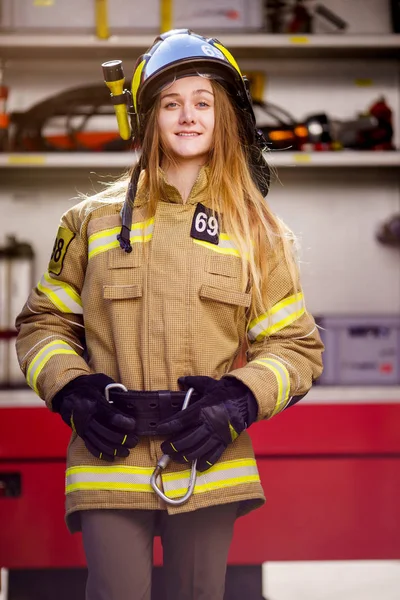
304	429
330	429
33	433
331	475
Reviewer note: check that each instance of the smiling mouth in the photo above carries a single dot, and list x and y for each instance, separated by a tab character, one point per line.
189	134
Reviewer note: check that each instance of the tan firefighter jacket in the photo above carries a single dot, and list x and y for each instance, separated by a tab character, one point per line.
174	306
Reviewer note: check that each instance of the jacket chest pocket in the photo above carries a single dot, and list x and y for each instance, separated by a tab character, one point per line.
224	282
225	271
225	296
124	280
223	304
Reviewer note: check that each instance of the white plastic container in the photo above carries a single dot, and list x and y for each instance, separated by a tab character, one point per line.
361	350
129	16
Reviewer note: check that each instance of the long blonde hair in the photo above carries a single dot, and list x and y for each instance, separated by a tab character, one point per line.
233	193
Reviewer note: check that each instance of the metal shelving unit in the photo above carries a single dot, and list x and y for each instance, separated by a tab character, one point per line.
30	47
251	46
122	160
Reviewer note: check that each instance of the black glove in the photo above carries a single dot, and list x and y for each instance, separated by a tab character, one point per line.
203	430
105	430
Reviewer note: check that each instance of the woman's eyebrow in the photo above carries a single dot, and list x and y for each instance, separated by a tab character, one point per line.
202	92
195	92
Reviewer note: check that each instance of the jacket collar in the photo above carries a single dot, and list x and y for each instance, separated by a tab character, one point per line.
171	194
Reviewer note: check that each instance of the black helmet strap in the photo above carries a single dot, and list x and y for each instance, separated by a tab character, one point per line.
124	236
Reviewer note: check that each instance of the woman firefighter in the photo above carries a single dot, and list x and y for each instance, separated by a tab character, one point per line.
155	284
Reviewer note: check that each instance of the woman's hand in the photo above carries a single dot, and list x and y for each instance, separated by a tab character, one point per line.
203	430
106	432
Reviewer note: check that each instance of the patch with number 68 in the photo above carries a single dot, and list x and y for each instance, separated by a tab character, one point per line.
63	240
205	225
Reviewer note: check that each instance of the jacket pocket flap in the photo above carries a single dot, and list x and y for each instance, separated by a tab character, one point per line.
230	266
122	292
226	296
118	259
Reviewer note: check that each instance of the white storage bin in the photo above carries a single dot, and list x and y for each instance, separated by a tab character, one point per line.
361	350
125	16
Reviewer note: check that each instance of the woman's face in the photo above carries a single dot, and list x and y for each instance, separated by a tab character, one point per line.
186	118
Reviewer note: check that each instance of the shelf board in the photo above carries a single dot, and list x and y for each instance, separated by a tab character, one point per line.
342	159
242	45
317	395
122	160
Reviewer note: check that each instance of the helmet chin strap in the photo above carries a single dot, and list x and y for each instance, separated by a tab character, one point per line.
124	237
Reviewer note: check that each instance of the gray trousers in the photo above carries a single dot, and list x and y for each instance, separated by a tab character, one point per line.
119	552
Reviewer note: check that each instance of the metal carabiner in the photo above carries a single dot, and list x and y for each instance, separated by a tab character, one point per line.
109	387
163	462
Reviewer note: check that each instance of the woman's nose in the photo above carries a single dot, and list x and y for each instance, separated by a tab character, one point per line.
187	114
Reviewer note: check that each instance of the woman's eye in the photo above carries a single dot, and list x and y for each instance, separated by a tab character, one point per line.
170	105
203	104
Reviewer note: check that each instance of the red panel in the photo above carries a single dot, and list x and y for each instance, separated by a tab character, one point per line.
32	527
329	497
33	432
330	429
323	509
317	509
304	429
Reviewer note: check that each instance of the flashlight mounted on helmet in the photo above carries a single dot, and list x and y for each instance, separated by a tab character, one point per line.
121	98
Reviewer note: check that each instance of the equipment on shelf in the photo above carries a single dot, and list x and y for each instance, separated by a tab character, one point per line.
372	130
16	282
284	133
63	123
299	16
105	18
378	17
4	117
80	120
389	232
380	136
395	12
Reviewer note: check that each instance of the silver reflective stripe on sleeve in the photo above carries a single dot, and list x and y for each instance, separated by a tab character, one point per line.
282	378
280	316
42	357
62	295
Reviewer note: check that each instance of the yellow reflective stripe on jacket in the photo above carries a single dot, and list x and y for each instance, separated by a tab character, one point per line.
107	239
62	295
280	316
137	479
224	246
222	475
121	478
42	357
283	379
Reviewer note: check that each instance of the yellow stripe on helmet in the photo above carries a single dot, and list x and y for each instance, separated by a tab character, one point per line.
229	56
136	82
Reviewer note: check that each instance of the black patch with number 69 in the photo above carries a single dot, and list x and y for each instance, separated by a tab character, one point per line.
63	240
205	225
